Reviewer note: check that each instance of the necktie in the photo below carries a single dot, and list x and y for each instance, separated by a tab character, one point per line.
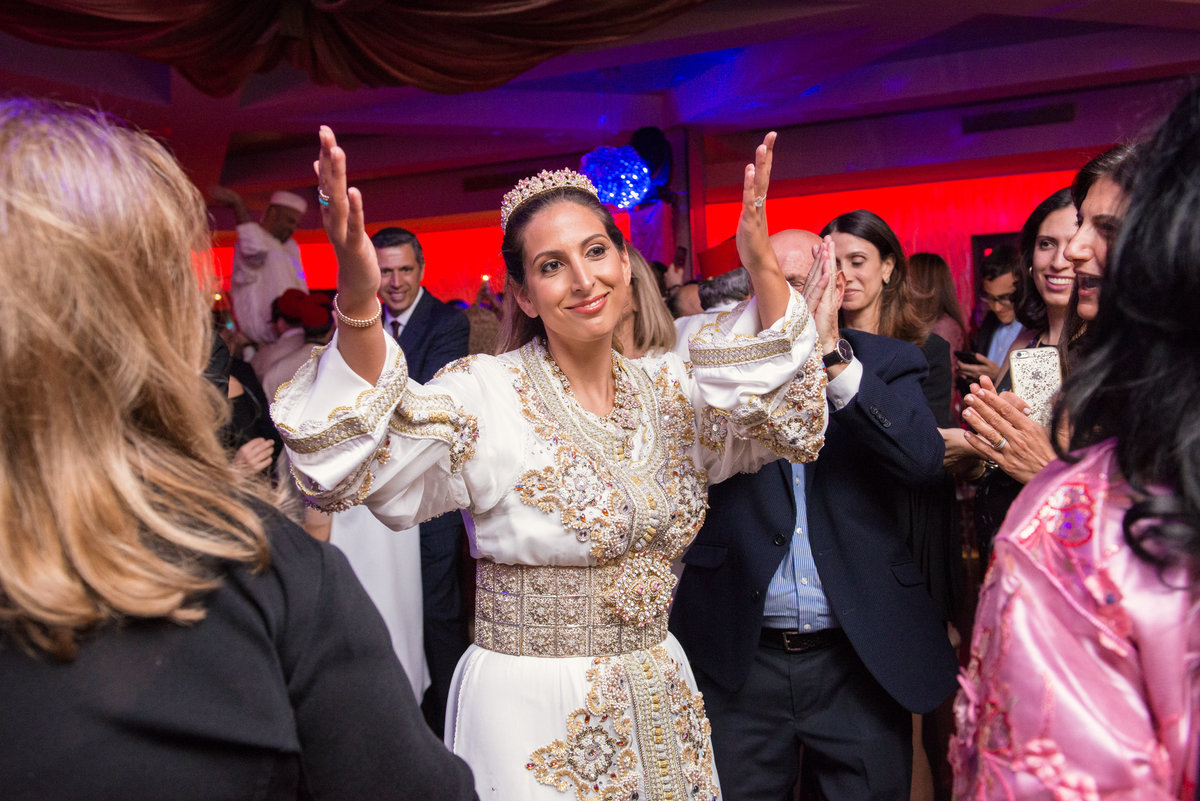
396	330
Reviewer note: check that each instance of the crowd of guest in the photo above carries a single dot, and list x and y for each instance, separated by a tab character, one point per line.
920	551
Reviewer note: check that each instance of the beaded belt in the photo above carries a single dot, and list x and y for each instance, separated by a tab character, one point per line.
527	610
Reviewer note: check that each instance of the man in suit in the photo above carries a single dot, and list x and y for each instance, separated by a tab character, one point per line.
432	334
801	609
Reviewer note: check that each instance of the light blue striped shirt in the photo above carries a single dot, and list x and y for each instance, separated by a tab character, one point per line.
795	597
1002	340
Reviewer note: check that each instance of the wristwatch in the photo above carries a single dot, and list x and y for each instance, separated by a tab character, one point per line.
842	353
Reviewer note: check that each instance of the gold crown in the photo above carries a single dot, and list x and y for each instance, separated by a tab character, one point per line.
534	185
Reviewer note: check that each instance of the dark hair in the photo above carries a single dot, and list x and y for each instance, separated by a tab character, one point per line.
898	316
1003	260
675	295
1118	164
1029	306
933	290
396	237
517	327
1143	354
733	285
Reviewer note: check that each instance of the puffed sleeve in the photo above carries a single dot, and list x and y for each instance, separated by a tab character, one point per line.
757	395
409	451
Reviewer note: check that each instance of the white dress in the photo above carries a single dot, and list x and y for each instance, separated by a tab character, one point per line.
573	684
389	568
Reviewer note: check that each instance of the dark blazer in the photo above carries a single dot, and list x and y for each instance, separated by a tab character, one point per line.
435	335
876	447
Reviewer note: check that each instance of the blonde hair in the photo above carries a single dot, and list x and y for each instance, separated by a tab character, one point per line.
653	326
116	498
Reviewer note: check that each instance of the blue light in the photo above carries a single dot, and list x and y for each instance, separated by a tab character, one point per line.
620	176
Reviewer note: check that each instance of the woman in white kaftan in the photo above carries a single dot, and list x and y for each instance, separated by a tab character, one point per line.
573	685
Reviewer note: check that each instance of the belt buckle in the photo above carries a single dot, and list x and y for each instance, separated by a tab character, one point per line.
799	647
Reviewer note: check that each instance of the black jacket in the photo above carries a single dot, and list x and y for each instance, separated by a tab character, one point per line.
876	447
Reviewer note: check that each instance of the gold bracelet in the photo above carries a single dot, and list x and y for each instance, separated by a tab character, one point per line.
356	323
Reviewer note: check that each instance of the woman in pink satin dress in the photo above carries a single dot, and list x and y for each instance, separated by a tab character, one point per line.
1082	682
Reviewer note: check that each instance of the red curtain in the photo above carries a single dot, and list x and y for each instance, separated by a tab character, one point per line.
443	46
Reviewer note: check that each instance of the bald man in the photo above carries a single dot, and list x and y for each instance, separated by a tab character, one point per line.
801	608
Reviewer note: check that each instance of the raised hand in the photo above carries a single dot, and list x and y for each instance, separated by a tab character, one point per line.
363	348
753	243
358	268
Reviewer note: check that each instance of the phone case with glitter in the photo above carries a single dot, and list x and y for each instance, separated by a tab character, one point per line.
1036	378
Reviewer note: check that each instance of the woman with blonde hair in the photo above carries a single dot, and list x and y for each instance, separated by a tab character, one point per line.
162	633
646	329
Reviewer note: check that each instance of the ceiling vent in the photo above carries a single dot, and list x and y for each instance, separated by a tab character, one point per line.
1019	118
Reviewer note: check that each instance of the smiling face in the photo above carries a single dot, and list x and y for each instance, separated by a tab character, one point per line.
1053	274
399	277
576	279
1099	218
865	273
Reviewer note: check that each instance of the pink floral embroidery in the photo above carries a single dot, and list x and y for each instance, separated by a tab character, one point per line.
1066	515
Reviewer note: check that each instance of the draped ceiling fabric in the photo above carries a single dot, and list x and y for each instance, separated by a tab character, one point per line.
445	46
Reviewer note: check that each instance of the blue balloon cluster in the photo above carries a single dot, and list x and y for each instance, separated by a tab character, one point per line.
620	176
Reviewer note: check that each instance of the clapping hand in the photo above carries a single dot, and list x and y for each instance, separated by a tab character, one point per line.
1004	433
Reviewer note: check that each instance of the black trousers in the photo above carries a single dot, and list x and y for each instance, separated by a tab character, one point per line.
856	739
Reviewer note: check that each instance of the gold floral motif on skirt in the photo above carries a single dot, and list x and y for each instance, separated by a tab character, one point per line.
642	736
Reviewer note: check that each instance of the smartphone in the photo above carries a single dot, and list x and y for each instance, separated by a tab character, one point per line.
681	254
1036	377
967	356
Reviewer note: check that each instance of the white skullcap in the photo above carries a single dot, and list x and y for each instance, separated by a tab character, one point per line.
289	199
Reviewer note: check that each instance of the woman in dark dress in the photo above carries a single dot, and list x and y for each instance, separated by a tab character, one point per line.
163	634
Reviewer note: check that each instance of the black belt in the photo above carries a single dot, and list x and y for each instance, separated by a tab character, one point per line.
799	642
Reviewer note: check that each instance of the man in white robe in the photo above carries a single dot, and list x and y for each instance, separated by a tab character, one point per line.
266	259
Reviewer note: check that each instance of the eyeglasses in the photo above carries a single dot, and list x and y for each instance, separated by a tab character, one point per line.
998	300
1087	282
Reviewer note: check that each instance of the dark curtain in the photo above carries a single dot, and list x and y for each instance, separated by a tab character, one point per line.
443	46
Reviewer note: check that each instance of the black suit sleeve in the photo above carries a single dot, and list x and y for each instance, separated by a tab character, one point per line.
449	339
361	732
890	418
